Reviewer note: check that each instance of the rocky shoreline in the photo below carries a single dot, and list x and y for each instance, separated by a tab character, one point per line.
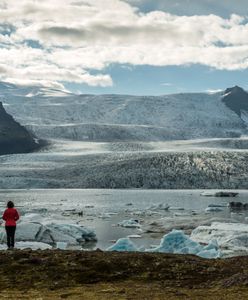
57	274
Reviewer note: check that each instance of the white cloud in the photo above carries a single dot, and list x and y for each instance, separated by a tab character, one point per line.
88	35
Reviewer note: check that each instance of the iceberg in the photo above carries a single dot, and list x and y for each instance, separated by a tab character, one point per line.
123	244
177	242
71	233
232	238
52	233
173	242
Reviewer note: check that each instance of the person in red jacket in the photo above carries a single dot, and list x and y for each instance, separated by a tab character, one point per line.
10	216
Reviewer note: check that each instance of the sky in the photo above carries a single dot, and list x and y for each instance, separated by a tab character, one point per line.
140	47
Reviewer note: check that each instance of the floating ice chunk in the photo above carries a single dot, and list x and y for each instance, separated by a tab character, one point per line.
71	233
212	253
32	217
123	244
105	216
175	208
207	194
134	236
28	245
33	245
179	214
36	232
51	233
219	194
161	206
232	237
138	213
213	209
61	245
211	250
218	205
177	242
213	244
132	223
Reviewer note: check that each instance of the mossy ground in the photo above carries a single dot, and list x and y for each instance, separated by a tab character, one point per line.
100	275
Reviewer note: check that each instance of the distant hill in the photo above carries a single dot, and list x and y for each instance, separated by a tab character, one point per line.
53	113
14	138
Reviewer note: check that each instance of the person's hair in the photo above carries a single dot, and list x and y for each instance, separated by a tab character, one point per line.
10	204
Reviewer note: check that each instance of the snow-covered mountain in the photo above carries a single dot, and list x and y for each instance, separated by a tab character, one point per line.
53	113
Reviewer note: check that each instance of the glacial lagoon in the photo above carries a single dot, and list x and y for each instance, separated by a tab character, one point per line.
103	211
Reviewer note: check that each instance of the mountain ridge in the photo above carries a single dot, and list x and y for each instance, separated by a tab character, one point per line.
50	113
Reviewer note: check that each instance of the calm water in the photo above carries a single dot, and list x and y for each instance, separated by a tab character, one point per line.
113	199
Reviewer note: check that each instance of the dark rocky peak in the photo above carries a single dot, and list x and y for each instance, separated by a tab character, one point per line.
14	138
4	117
236	99
235	90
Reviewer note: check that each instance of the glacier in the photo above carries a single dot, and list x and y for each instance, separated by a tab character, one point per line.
51	113
174	141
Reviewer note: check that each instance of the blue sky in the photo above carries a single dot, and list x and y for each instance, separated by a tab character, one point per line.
144	47
149	80
223	8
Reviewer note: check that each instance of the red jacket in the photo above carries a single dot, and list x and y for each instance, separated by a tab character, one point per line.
10	216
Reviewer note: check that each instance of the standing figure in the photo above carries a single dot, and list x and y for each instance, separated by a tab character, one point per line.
10	216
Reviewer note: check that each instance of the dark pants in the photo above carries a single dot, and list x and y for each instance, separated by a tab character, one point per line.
10	231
